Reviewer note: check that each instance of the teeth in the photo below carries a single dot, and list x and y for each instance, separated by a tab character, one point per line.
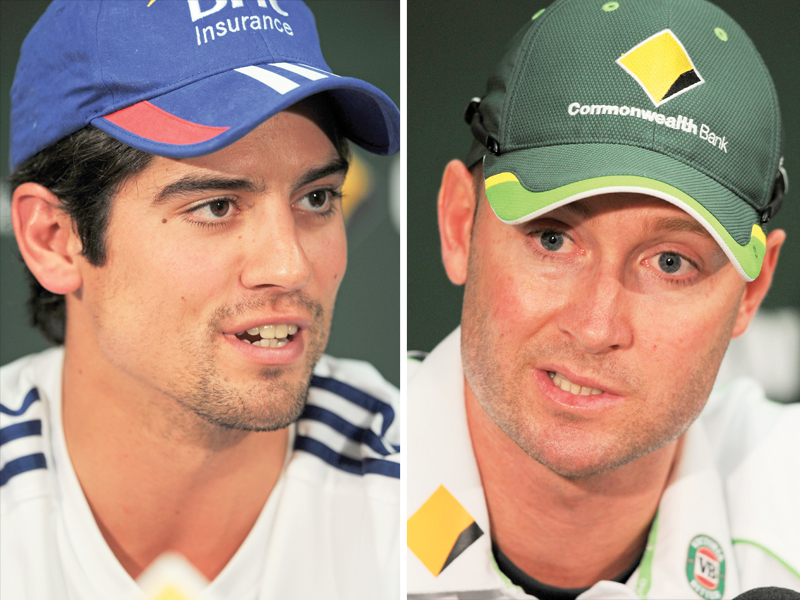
269	332
272	343
573	388
272	333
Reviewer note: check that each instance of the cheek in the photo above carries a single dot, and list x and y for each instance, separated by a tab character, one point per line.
326	251
683	341
521	298
165	275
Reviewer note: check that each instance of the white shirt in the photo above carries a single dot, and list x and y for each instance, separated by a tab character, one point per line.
330	528
732	503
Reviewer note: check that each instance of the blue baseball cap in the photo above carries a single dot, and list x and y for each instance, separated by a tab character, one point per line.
180	78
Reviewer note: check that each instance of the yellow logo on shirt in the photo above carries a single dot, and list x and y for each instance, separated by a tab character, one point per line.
441	530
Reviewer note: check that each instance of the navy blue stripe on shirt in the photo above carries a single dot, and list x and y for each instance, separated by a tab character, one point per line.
357	434
22	465
376	466
18	430
30	398
356	396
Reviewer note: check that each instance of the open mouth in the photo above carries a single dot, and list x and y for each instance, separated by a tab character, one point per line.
269	336
573	388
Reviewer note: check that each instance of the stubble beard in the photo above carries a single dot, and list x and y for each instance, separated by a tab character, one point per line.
275	400
564	446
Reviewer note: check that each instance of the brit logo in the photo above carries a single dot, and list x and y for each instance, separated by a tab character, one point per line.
661	66
705	568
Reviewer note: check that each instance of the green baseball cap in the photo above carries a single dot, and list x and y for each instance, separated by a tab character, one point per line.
665	98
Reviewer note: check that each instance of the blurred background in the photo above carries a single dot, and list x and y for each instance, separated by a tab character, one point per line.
452	49
359	38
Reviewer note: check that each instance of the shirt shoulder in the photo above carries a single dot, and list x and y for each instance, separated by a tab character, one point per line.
756	450
26	460
350	422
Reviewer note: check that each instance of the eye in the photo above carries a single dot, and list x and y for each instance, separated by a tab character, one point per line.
214	210
674	264
317	201
552	241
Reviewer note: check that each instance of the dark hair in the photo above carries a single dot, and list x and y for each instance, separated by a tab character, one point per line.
85	171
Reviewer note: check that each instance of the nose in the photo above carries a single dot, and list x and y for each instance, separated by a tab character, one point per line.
596	316
276	256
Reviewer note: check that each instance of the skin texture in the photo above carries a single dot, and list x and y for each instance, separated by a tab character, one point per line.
177	437
583	475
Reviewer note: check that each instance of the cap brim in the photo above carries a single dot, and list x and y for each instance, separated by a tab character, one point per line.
210	114
525	184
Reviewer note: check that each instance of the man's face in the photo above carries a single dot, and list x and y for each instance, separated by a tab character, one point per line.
202	250
620	293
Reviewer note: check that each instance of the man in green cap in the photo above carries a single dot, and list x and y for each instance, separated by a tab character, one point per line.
610	227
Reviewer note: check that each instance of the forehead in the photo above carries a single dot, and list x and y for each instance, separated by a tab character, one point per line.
648	213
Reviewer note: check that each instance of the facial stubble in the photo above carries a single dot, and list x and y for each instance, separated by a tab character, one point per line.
569	446
278	395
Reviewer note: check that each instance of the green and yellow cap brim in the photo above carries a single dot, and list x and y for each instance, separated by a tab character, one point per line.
525	184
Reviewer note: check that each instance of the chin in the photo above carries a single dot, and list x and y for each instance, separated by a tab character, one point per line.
576	457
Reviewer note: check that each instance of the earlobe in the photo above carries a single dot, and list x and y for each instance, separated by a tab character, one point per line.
456	207
45	237
756	290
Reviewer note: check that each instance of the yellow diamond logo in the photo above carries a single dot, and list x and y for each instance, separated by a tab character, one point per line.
441	530
661	65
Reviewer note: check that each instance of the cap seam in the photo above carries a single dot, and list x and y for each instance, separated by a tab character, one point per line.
733	189
99	56
774	156
535	27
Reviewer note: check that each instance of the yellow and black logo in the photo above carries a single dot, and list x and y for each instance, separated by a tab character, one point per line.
661	65
441	530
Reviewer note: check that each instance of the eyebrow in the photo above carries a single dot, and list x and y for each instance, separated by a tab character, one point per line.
191	184
689	225
335	167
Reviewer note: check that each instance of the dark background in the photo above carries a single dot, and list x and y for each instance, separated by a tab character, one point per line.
359	38
452	49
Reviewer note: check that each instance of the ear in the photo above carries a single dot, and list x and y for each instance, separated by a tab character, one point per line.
456	208
45	238
755	290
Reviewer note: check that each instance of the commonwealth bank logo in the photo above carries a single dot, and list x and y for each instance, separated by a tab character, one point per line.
441	530
661	65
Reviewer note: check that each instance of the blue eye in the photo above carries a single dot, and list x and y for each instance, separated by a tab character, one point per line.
669	262
552	240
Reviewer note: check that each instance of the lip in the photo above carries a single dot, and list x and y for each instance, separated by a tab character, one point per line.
559	396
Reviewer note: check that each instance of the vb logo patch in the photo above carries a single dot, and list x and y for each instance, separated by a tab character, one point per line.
661	66
705	568
441	530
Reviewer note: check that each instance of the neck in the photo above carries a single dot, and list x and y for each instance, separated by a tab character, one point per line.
538	517
158	477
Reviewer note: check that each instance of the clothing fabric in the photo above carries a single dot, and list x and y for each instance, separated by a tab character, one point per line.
727	522
330	528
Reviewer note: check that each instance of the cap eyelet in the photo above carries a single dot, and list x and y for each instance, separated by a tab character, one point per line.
721	34
610	6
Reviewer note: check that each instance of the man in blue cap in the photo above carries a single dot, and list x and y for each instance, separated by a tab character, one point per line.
178	169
